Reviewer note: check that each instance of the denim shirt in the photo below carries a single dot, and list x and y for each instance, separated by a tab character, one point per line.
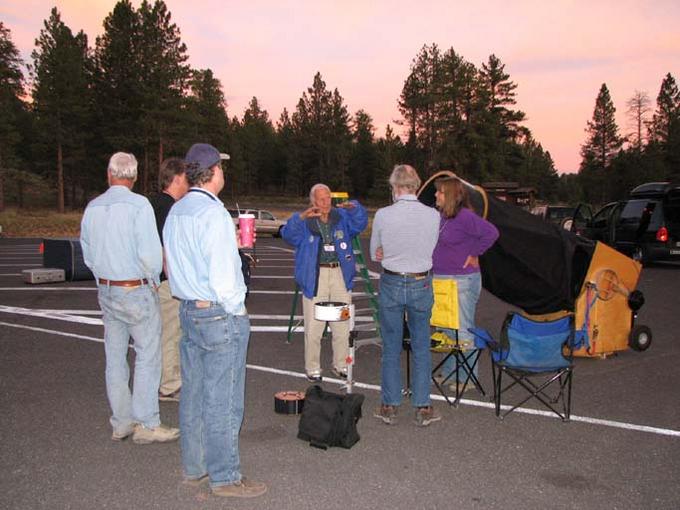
119	238
201	252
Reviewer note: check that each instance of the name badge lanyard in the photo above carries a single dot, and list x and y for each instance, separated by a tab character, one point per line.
328	245
198	190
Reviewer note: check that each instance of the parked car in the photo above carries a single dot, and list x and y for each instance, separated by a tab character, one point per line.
645	226
265	221
560	215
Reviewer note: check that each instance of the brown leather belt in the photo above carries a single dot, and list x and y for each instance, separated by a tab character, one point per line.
123	283
407	275
330	264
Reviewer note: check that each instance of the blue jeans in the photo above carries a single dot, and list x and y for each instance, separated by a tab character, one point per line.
400	294
132	312
469	289
213	361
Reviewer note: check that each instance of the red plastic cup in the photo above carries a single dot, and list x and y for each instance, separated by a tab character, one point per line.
246	225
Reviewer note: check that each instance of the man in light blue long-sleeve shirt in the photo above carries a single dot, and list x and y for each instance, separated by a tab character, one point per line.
121	246
204	269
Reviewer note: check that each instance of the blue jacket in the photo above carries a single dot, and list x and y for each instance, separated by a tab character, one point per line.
304	235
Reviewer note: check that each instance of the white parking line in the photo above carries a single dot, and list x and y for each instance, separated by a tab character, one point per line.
355	295
545	414
49	314
77	317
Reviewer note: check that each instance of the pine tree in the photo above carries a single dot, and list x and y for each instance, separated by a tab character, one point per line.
665	129
164	77
11	104
257	140
61	91
499	94
364	159
390	152
419	104
290	167
321	131
602	145
459	112
667	113
603	133
206	109
118	89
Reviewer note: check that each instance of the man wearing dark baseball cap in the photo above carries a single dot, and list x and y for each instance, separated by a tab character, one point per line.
204	269
203	156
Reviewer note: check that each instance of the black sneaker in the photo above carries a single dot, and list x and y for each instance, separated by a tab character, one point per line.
341	374
314	376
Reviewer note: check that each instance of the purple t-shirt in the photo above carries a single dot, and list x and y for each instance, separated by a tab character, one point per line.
460	236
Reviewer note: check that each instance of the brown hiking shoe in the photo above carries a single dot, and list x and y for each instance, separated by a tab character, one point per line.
426	415
159	434
241	489
195	482
124	433
388	414
169	397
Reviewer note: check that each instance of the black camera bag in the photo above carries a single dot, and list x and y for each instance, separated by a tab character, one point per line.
330	419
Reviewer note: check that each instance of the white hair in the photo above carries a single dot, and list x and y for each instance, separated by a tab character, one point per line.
312	191
405	177
123	166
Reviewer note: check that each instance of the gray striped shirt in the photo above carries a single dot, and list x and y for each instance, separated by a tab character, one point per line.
407	231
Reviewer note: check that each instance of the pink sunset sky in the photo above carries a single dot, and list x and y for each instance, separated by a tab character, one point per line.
558	52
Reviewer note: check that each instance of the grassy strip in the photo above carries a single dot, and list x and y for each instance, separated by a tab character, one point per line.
39	223
48	223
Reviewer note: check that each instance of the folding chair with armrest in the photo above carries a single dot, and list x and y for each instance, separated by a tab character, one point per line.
537	357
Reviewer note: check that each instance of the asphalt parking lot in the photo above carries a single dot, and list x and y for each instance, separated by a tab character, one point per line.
620	451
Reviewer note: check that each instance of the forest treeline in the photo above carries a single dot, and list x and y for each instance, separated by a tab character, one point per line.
75	103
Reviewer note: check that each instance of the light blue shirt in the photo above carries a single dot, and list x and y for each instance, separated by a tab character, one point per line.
119	238
407	231
201	252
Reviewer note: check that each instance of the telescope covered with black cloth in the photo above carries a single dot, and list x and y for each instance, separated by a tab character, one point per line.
534	265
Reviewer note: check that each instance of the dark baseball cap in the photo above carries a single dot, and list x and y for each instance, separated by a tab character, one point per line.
202	156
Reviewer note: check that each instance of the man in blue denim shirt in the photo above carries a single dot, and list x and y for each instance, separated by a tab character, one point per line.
204	270
121	246
403	238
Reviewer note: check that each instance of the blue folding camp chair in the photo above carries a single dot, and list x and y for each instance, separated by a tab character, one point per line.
536	356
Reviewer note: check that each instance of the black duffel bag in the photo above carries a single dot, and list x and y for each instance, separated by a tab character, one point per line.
330	419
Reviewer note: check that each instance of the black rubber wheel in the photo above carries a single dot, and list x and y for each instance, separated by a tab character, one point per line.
278	234
640	338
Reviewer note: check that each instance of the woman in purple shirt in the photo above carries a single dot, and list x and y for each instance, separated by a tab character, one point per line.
463	237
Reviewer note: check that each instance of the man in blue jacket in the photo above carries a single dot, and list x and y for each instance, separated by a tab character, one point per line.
324	269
